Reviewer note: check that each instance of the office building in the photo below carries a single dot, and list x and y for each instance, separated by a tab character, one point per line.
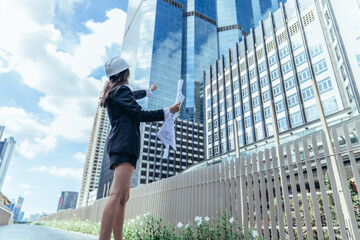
17	209
190	151
67	200
94	156
166	40
6	150
273	66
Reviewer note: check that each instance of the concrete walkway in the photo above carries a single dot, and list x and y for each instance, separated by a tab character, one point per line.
39	232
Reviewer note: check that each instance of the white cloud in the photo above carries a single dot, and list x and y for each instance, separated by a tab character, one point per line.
30	45
59	172
81	157
32	137
27	193
26	186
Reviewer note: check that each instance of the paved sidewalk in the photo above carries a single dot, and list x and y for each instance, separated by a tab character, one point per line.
39	232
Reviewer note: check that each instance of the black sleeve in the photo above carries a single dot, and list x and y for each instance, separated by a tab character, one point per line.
125	98
139	94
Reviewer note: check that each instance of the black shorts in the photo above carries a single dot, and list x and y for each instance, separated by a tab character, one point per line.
121	157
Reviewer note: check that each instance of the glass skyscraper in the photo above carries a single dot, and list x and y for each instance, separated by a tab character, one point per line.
275	64
166	40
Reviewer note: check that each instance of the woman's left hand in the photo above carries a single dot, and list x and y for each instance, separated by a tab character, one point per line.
153	87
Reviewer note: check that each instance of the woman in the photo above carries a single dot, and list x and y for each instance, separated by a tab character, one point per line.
123	142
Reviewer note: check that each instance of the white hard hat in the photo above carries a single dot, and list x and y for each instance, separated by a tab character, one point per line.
115	65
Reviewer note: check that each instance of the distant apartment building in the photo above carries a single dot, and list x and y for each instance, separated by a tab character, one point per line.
67	200
94	156
274	65
6	150
190	151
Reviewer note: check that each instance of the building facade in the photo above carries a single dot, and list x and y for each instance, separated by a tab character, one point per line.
273	66
151	165
94	156
166	40
17	209
67	200
6	150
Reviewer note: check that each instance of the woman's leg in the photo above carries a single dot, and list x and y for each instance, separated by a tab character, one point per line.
119	194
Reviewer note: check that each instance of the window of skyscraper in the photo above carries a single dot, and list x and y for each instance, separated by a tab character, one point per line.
293	100
216	136
230	116
236	85
222	119
257	117
221	95
210	152
279	106
253	87
245	92
263	81
231	128
255	102
252	73
246	107
284	52
304	75
272	60
282	124
325	85
320	67
289	83
274	75
296	119
237	111
243	79
315	50
277	90
330	105
237	97
209	102
262	67
287	67
300	59
228	102
247	121
312	113
267	112
222	106
266	96
307	93
209	113
209	139
228	90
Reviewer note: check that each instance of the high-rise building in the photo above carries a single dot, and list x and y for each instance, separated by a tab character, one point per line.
6	150
166	40
94	156
344	18
190	151
17	209
273	66
67	200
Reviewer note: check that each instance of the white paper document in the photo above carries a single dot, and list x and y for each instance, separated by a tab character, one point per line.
167	131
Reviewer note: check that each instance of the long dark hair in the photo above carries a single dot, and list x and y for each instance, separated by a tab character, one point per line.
115	81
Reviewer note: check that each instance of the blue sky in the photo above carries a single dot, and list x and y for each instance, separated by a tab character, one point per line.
51	75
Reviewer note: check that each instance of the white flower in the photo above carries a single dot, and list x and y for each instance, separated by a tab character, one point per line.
187	225
231	220
146	214
206	218
199	223
179	225
198	219
255	234
138	217
141	223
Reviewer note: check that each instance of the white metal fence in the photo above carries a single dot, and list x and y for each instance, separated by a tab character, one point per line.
286	193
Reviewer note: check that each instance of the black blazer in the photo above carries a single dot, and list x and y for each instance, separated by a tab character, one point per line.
125	115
